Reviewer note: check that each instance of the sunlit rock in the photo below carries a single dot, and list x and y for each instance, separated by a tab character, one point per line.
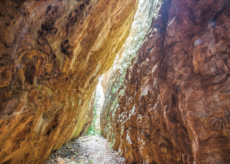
52	53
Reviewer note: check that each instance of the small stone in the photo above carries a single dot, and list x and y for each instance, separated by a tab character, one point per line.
67	160
60	160
72	162
81	157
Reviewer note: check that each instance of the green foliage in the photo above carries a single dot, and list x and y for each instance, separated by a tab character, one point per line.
114	89
92	128
111	146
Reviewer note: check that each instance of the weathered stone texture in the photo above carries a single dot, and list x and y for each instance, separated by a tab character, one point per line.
52	53
176	105
89	115
147	9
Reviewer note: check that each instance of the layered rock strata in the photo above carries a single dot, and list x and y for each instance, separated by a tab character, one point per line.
52	53
176	104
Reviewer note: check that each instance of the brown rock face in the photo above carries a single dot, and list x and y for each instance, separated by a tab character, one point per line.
176	105
89	115
115	86
105	80
51	55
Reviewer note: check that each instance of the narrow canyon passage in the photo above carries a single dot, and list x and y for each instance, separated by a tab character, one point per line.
163	68
90	147
86	150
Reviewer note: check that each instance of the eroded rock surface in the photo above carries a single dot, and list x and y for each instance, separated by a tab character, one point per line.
113	80
51	55
176	104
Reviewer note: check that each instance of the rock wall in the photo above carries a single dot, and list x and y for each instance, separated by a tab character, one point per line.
147	9
52	53
176	104
105	80
89	115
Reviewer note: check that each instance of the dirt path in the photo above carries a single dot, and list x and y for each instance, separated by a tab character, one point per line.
86	150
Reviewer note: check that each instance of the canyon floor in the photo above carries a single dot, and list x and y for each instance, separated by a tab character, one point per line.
86	150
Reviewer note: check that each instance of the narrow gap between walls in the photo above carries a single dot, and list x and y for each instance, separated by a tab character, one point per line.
95	128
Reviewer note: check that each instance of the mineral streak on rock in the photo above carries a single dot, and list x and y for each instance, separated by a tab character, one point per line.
176	103
52	53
